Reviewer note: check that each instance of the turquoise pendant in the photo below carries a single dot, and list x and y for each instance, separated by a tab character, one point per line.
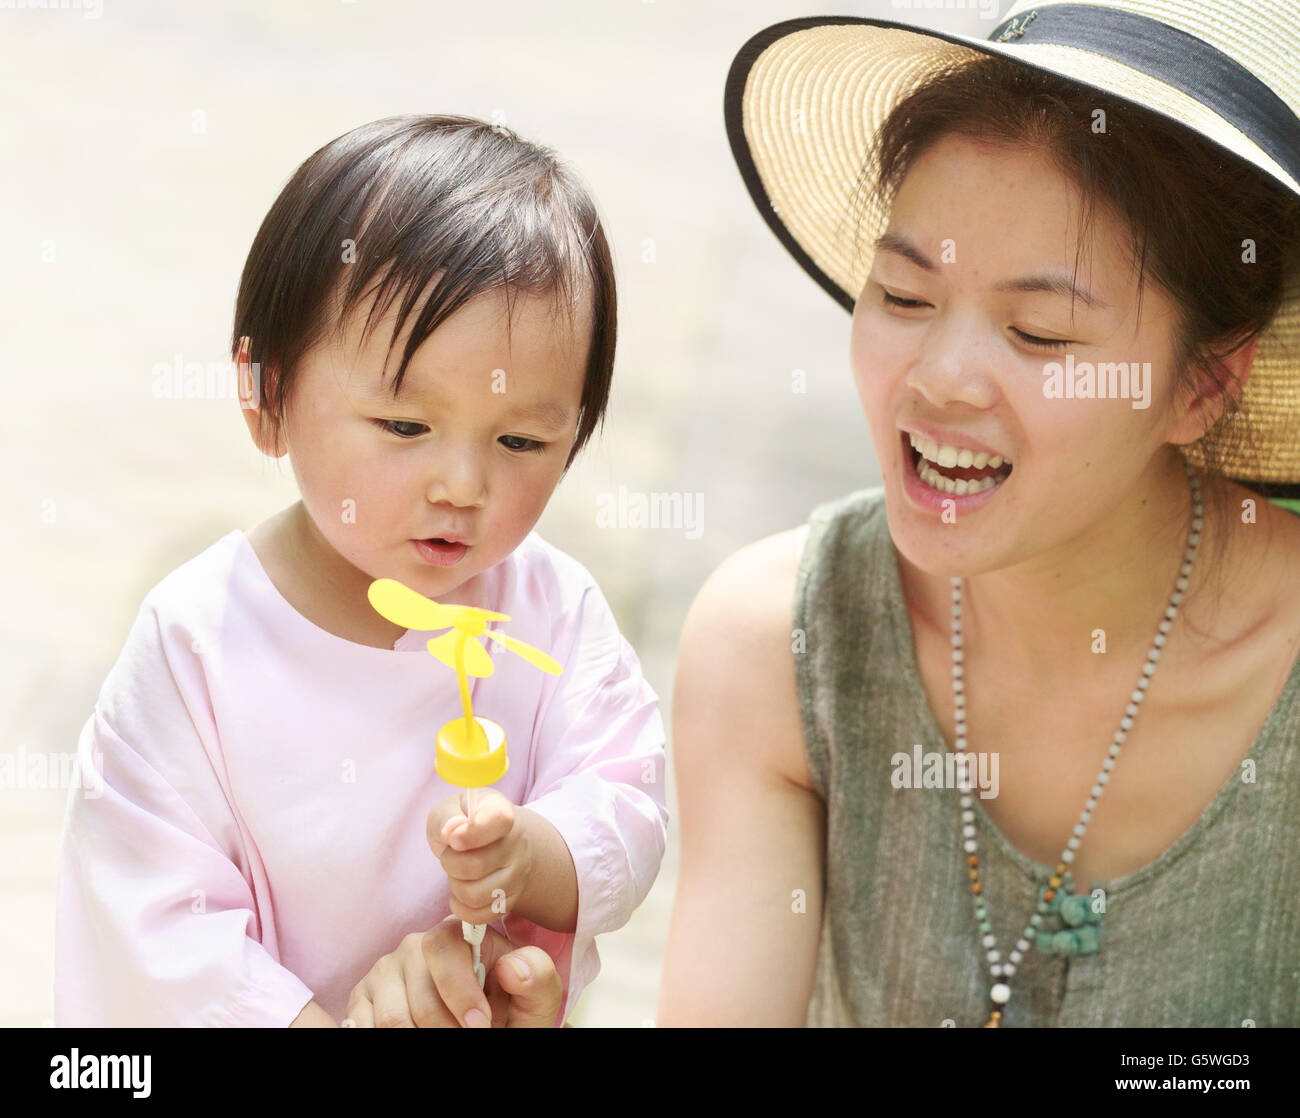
1081	926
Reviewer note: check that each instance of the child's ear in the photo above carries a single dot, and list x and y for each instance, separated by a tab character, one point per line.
250	378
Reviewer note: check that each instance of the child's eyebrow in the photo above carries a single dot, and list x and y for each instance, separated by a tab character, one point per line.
546	412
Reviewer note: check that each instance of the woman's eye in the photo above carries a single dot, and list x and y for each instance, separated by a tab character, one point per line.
1029	339
1040	343
895	301
392	425
531	445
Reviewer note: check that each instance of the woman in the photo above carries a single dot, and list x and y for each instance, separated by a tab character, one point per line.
1073	342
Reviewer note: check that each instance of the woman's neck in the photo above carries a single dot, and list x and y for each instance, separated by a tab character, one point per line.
1042	616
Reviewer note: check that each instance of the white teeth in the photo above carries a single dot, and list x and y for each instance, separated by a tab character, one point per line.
950	456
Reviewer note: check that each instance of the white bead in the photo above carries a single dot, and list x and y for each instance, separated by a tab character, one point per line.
1068	856
966	801
1001	993
1079	828
988	941
993	956
968	830
1022	945
1108	764
1072	843
970	846
1126	723
996	969
968	817
1114	749
1009	969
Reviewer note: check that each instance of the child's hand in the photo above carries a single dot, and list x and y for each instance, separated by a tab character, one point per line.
428	982
487	861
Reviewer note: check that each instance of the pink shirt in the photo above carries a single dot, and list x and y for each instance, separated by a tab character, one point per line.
257	838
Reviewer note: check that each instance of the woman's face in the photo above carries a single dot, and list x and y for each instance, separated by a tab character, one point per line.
981	246
473	447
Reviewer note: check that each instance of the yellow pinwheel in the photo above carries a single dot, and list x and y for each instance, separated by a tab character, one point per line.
469	752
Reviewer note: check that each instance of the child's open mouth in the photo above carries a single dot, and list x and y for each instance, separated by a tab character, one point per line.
439	552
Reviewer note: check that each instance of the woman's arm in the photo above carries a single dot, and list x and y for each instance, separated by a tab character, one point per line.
742	946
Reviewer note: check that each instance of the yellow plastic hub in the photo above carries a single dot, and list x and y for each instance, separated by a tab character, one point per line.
471	760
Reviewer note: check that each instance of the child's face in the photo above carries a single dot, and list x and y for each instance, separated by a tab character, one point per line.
473	447
957	360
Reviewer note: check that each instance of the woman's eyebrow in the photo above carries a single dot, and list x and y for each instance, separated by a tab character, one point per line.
1052	282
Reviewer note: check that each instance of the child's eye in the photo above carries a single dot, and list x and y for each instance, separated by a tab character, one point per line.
391	425
535	446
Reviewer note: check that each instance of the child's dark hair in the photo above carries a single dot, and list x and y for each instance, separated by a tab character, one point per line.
395	203
1187	202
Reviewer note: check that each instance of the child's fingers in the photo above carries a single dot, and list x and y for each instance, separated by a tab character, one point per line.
491	822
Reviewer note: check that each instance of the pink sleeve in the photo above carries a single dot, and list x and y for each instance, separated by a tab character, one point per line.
155	924
600	782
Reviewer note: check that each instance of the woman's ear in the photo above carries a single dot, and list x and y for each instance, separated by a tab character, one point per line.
250	380
1221	381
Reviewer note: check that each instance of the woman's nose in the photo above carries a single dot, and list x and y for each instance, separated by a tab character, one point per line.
953	363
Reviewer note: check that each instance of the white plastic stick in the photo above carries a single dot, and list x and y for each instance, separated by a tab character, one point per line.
473	933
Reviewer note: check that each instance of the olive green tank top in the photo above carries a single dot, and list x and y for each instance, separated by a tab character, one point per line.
1208	934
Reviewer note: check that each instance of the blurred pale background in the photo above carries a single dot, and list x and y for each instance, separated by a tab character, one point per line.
141	150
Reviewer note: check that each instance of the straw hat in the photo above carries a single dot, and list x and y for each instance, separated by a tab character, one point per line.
804	98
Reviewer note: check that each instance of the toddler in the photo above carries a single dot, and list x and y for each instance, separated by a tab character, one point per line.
425	326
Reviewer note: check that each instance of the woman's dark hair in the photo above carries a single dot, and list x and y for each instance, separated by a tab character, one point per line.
400	200
1188	204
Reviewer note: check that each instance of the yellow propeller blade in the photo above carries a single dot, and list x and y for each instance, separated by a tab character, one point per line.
534	656
477	661
403	606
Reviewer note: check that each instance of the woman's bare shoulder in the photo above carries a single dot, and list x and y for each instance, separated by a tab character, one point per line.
736	647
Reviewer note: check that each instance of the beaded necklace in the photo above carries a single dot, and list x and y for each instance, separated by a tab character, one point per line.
1080	936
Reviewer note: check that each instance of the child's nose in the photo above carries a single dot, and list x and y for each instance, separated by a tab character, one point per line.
458	477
